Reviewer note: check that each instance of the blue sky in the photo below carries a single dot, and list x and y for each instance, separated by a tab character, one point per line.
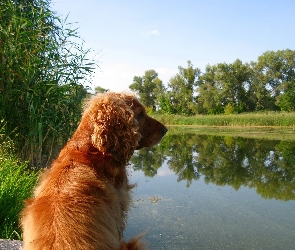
133	36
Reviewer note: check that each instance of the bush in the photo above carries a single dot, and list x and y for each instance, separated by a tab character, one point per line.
229	109
16	183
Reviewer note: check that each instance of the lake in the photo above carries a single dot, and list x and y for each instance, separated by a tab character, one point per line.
199	191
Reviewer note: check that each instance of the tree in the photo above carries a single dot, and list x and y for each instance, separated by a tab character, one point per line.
268	84
99	89
234	79
277	73
209	92
225	86
148	87
182	89
259	96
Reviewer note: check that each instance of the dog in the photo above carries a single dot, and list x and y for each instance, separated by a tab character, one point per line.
82	200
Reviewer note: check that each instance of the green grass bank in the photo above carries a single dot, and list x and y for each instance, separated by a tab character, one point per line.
266	119
16	184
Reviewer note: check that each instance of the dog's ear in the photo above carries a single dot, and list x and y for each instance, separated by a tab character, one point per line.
115	130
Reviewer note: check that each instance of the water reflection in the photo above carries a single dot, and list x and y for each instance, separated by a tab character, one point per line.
266	165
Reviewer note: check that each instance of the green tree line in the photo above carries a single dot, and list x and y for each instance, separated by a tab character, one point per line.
267	84
43	68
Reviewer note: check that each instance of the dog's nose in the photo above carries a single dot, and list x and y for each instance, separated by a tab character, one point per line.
165	130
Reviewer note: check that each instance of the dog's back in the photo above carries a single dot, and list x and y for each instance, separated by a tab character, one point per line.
74	209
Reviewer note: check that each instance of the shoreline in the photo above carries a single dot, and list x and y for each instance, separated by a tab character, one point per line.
256	132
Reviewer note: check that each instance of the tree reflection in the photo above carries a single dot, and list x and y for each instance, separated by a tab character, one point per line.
181	158
266	165
148	160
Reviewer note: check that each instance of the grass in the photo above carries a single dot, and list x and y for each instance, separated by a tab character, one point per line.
16	183
269	133
265	119
263	125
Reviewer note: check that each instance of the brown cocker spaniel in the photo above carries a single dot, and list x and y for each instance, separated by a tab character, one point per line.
82	200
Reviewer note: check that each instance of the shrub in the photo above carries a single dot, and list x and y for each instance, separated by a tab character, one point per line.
229	109
16	183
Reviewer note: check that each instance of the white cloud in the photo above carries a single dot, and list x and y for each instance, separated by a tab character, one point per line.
154	33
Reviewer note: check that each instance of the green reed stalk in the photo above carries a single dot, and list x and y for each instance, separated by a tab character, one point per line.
43	75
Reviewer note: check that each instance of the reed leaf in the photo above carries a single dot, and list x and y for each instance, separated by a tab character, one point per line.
43	72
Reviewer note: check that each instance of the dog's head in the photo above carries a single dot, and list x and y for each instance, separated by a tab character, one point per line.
120	125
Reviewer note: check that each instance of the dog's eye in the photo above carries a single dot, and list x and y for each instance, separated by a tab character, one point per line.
140	115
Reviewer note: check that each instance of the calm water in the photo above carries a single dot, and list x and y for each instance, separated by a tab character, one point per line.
211	192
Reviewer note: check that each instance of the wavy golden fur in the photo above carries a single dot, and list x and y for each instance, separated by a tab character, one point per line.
82	200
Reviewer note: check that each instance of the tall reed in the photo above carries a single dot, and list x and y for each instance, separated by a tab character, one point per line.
44	74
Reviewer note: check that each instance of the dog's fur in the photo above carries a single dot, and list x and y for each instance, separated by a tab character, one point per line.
81	201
